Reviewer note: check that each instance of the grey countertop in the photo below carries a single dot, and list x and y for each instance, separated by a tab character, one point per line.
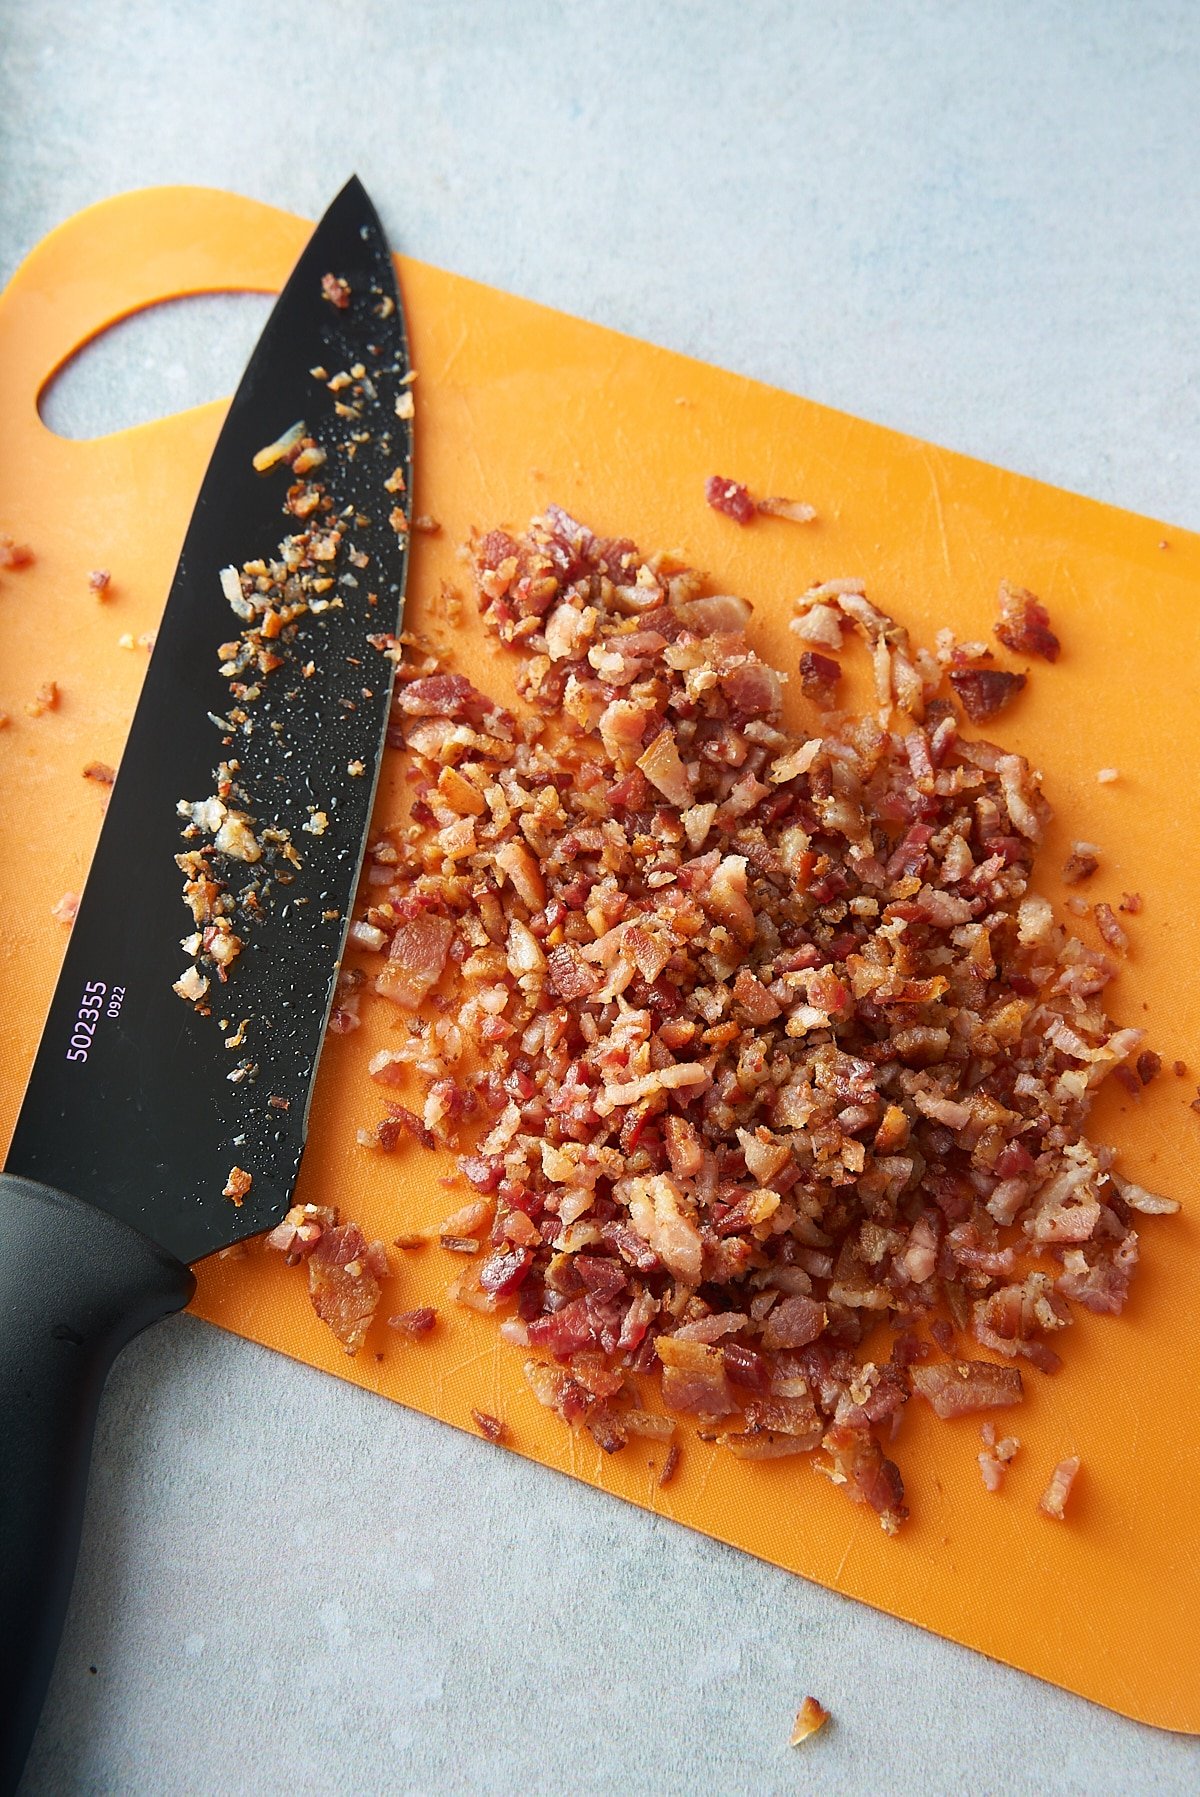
977	223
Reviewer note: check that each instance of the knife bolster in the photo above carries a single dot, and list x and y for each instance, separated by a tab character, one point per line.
75	1286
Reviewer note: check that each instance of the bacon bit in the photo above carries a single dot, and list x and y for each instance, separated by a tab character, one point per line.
343	1281
405	407
280	450
670	1465
996	1457
1110	929
795	509
491	1426
729	497
336	291
1108	775
1081	863
984	691
1148	1065
65	909
100	772
415	1324
1131	903
99	580
1053	1501
810	1717
45	699
425	525
416	960
819	678
1024	625
956	1388
14	555
1179	1069
237	1185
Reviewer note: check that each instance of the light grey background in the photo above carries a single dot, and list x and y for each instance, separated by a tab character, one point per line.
976	222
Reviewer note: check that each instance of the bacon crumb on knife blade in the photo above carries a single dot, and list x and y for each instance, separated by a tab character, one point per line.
754	1040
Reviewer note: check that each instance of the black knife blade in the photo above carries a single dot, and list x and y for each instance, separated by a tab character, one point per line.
157	1127
135	1103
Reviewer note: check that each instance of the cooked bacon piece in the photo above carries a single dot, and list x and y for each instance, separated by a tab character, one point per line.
870	1478
730	497
694	1381
957	1387
1110	929
984	691
100	772
414	1323
336	291
1053	1501
343	1282
489	1425
819	678
65	909
14	555
1024	625
670	1465
793	1323
810	1717
1148	1066
996	1456
416	959
1081	863
237	1186
794	509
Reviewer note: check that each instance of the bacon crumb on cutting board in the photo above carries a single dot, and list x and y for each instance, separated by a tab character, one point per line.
65	909
1053	1501
753	1039
490	1426
100	581
996	1456
810	1718
344	1269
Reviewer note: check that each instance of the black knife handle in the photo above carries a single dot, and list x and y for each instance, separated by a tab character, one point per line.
75	1286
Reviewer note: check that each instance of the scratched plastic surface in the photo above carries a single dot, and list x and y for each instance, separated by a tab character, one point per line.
518	405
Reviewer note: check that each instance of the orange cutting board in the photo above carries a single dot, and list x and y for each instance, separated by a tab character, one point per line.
518	405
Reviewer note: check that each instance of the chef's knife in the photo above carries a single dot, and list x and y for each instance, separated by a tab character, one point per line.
145	1111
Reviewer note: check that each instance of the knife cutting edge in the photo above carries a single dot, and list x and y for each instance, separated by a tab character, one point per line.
167	1107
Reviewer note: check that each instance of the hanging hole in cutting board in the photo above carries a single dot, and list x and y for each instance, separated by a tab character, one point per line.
164	359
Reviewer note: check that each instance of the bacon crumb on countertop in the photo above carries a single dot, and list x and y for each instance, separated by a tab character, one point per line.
752	1039
1053	1501
810	1717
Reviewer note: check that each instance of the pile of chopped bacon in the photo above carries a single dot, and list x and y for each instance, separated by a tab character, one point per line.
770	1040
